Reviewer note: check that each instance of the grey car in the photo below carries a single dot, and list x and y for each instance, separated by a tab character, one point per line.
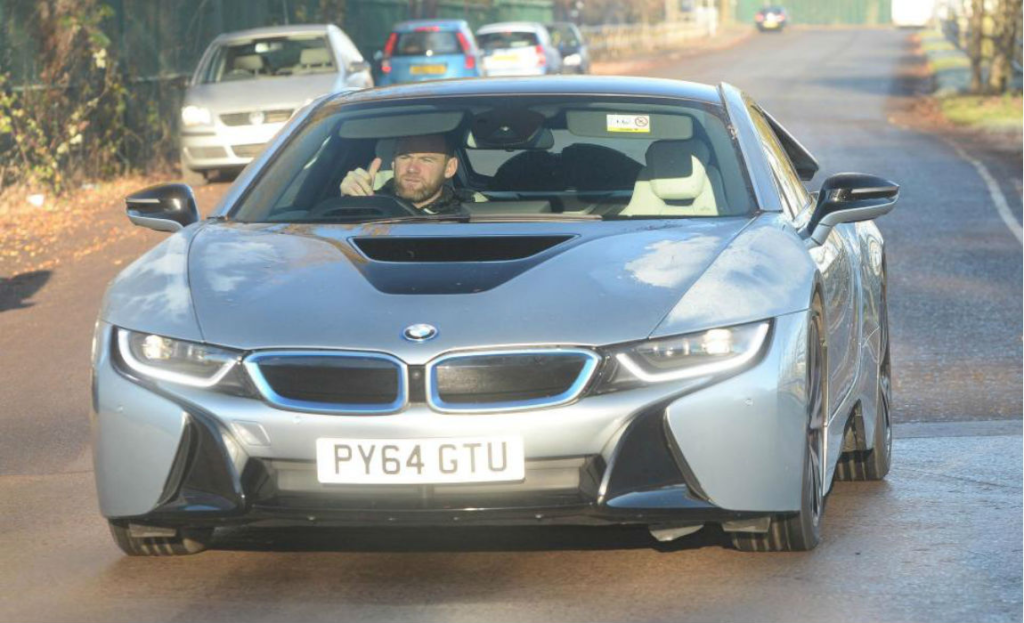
639	316
572	47
249	83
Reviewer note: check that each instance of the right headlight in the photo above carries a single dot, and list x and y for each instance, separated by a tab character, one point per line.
192	116
159	358
708	353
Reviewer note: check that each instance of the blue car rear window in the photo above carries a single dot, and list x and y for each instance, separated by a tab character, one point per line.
427	43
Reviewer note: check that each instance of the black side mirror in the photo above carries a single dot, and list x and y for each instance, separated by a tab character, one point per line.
164	207
848	198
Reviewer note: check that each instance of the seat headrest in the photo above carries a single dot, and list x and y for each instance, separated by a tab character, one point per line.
676	170
249	62
385	150
314	56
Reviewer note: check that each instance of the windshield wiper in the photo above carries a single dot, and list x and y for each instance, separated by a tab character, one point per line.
543	216
421	218
480	218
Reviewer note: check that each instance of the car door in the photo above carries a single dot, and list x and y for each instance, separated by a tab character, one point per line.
835	262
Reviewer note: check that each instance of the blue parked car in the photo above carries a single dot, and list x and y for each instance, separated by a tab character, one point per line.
429	50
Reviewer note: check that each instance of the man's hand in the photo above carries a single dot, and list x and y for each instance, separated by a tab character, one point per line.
359	183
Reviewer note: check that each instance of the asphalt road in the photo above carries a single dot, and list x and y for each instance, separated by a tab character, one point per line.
940	540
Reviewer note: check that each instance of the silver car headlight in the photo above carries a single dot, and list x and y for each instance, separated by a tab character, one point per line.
192	116
716	352
164	359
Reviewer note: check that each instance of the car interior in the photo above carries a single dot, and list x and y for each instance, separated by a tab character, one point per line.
278	56
610	161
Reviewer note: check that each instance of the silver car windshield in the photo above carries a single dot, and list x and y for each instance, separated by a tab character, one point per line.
270	57
518	157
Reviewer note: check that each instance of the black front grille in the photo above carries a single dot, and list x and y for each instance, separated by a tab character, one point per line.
509	379
331	379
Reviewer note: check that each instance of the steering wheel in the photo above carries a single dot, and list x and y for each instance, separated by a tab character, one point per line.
373	206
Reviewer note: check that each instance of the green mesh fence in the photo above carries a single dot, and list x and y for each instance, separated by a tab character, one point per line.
830	12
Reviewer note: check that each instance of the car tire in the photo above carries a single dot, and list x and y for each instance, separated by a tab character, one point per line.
801	531
188	541
863	465
191	177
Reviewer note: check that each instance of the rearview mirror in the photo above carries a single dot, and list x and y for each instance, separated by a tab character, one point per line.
164	207
848	198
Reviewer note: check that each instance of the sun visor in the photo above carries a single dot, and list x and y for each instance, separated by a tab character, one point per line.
608	124
395	126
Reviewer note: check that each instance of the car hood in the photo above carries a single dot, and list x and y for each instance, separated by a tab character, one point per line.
264	94
265	286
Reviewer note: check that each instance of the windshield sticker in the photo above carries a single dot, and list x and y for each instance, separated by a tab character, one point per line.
629	123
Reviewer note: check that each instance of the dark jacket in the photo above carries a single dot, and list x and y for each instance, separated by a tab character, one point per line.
450	201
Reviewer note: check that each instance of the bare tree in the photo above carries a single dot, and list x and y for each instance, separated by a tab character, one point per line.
976	28
1004	42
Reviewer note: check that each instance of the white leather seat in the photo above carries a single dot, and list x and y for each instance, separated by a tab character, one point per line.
677	181
312	59
252	63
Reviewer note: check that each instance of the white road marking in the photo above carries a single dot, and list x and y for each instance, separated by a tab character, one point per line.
998	198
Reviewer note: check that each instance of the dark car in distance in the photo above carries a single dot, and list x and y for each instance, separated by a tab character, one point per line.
771	18
573	47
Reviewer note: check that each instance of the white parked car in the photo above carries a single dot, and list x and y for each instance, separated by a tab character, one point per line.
249	83
518	49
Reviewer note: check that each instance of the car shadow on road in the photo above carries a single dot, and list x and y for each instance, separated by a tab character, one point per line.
16	291
455	540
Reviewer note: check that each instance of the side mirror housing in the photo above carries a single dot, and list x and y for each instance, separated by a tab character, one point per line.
164	207
356	67
848	198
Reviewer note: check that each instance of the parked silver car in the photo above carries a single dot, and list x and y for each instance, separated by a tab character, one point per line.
518	49
249	83
629	311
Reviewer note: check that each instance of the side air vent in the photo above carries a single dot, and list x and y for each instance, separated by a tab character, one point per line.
455	249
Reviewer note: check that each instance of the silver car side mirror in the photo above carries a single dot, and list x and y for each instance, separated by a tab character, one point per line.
848	198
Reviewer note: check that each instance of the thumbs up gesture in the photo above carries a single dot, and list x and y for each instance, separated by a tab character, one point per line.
359	182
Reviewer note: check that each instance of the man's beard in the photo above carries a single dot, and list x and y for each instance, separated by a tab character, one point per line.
423	192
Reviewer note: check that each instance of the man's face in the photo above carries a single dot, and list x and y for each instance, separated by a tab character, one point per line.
421	168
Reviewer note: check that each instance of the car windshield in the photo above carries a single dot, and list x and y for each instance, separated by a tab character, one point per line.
517	157
270	57
507	40
427	43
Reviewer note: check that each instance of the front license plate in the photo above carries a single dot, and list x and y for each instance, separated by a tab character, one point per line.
419	70
420	461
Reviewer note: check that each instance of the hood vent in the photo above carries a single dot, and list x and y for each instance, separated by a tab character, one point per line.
455	249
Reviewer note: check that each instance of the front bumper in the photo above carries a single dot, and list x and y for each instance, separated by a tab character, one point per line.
221	146
689	453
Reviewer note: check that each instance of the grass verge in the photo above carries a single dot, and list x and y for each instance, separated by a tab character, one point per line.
999	112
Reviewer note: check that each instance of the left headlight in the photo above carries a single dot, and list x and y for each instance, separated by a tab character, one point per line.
716	352
176	361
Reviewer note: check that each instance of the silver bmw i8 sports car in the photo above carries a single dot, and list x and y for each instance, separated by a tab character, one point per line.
581	301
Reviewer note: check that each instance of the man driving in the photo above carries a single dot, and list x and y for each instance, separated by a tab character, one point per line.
423	168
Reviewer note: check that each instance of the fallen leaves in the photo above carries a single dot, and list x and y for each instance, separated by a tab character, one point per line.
65	228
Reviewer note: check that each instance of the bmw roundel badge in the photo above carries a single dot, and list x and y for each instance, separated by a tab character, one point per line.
420	332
